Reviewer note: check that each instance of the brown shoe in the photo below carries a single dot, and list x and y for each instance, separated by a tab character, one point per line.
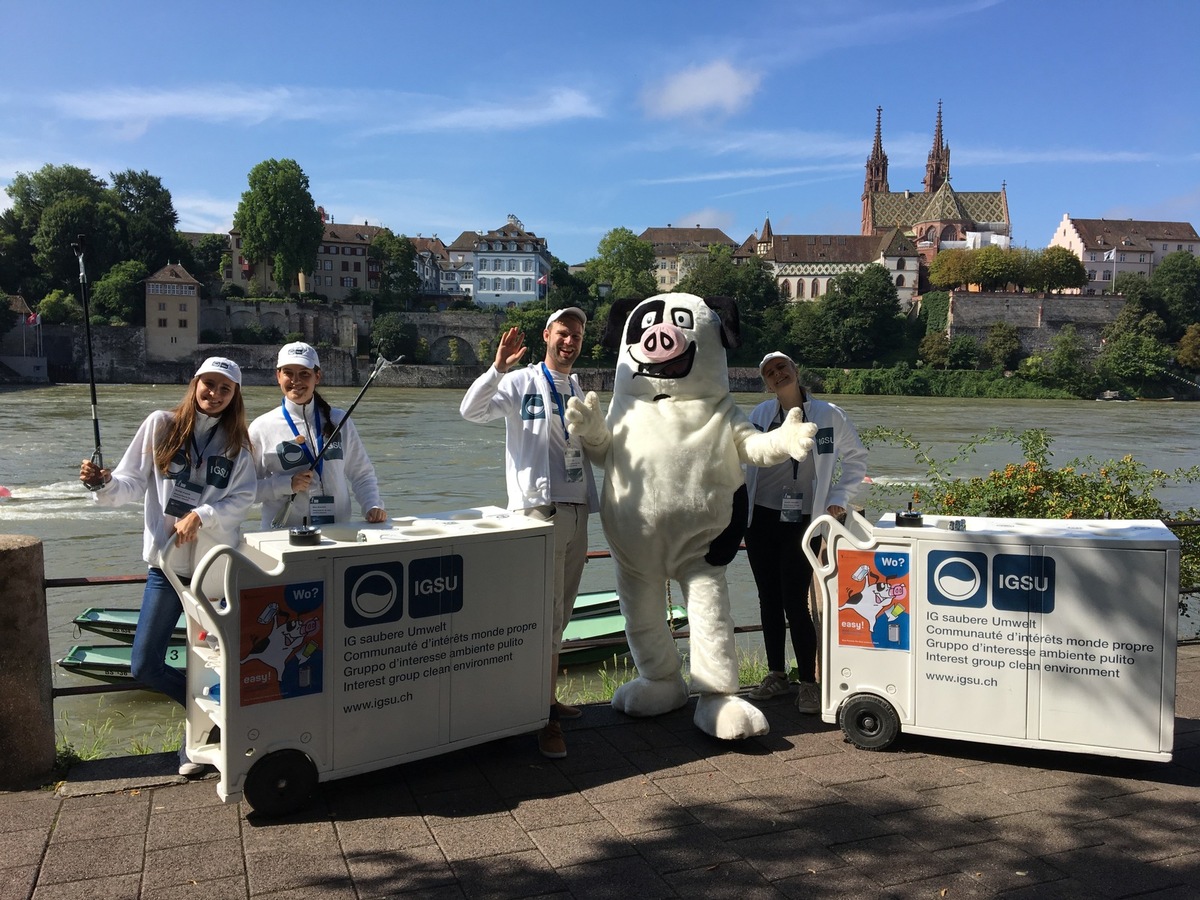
567	712
550	740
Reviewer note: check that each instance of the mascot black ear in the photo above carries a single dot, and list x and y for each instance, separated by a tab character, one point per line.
731	327
615	324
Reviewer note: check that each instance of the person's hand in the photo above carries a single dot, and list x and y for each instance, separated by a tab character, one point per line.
301	481
510	349
91	474
376	514
838	512
187	528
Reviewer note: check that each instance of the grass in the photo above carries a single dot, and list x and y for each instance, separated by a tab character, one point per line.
94	737
752	668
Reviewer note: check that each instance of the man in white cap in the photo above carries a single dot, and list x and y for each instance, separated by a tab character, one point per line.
288	441
547	475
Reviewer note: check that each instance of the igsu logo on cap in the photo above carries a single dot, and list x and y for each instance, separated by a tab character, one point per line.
221	364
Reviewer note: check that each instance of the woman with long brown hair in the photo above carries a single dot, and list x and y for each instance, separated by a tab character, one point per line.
193	468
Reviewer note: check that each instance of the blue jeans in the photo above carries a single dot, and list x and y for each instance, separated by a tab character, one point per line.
161	608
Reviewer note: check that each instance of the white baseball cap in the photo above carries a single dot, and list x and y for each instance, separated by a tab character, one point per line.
774	354
574	311
221	366
298	353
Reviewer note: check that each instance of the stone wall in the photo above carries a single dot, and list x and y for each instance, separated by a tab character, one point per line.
475	333
1038	318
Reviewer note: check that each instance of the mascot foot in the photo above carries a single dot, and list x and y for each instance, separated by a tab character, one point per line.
643	697
728	717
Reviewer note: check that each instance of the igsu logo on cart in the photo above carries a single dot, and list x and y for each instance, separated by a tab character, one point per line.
1017	582
957	578
435	586
373	594
1023	582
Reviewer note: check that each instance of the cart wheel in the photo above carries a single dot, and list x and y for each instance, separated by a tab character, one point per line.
280	783
869	722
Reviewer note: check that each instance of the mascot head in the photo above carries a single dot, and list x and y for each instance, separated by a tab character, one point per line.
672	345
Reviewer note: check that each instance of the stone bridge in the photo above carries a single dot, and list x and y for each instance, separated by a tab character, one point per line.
458	338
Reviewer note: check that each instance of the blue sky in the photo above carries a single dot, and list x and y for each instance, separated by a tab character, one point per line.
581	117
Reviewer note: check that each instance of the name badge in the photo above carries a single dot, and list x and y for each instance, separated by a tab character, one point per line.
320	510
792	508
185	497
573	458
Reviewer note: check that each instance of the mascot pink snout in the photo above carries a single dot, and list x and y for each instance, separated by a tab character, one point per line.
674	505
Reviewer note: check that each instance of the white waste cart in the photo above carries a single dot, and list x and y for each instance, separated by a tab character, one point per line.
1046	633
371	646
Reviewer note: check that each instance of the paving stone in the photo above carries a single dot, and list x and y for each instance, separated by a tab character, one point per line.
729	881
585	842
99	857
892	859
481	837
384	873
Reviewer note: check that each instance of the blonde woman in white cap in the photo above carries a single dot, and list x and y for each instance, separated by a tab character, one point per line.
288	439
783	500
192	468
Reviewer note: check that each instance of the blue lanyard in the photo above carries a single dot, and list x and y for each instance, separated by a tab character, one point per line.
200	452
778	421
558	400
320	437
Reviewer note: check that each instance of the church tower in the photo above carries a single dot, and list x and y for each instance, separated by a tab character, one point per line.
937	168
877	178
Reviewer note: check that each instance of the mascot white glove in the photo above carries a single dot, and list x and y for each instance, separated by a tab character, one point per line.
586	422
793	439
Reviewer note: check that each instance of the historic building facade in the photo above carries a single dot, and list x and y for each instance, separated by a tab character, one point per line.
674	247
1108	247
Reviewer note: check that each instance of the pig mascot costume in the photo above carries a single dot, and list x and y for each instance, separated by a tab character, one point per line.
674	503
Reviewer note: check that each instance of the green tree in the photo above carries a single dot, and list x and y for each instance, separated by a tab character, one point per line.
120	296
399	283
935	311
209	256
1001	347
278	220
859	317
994	268
952	269
60	308
1188	354
391	336
1175	283
148	218
963	352
1134	356
625	262
1057	268
1067	363
934	349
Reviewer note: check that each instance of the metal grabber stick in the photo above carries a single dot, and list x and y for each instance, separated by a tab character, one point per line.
97	455
380	365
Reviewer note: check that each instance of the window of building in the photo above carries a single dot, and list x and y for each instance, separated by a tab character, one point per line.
1091	274
662	279
512	265
183	307
1091	257
1141	257
899	281
358	267
1120	257
1179	246
1164	248
799	288
673	265
785	289
816	288
527	265
183	323
162	323
900	263
239	244
162	307
174	340
1106	275
328	265
527	284
512	284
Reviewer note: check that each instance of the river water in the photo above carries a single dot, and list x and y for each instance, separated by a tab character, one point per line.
429	460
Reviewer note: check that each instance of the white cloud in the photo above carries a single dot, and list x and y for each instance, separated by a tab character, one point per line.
715	86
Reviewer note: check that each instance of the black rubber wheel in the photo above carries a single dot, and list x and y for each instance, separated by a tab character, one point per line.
869	722
280	783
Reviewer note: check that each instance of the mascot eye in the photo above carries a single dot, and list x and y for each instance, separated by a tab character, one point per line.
649	318
682	318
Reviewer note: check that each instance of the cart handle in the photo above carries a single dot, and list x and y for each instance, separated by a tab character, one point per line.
855	529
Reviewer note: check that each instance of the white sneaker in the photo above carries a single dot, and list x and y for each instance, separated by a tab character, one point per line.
189	768
773	685
808	698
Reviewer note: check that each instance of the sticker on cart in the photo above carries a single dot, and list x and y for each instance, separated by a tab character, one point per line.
282	632
873	599
957	578
435	586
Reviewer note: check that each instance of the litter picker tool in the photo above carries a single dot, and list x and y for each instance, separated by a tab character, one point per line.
380	365
97	455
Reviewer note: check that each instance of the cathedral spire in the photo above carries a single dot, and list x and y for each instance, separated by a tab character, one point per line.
877	162
937	168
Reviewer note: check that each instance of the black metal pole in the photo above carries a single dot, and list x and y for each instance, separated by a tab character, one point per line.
97	455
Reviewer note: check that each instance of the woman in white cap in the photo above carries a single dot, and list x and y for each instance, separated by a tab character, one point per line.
288	439
193	469
783	500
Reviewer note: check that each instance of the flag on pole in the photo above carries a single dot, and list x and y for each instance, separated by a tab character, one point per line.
1110	255
543	279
